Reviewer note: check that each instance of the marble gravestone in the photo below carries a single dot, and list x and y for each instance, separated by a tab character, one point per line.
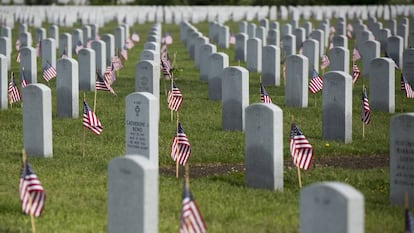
218	62
3	82
67	88
28	64
382	85
132	195
141	125
37	120
147	77
87	69
296	87
264	146
271	65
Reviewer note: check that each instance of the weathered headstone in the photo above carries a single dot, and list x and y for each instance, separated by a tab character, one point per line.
25	39
401	159
261	34
65	44
5	49
271	65
109	47
40	35
205	52
382	38
119	38
339	59
218	62
369	50
48	51
200	42
254	50
286	30
224	35
141	125
300	37
331	207
408	64
148	55
100	55
402	30
28	64
86	31
132	196
288	45
311	51
3	82
87	69
67	88
53	33
273	37
251	30
264	146
296	88
394	50
37	120
235	97
382	85
77	36
337	106
240	48
243	27
147	77
340	41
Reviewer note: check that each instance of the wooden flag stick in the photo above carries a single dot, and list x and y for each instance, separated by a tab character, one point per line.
84	133
363	124
94	98
177	159
187	175
172	81
295	162
32	220
406	202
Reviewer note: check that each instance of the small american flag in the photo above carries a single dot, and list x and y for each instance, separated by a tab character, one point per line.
78	47
90	120
300	148
366	111
355	73
325	62
116	62
101	84
175	98
164	51
38	49
49	72
316	83
23	81
409	222
264	97
180	148
129	44
31	192
110	75
356	55
166	67
13	91
191	219
405	86
232	39
89	43
135	37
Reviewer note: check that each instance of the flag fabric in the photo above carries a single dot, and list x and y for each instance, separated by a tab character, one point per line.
129	44
101	84
365	109
191	219
110	74
405	86
355	55
349	30
409	222
180	148
355	73
284	70
89	43
49	72
325	61
232	39
300	148
90	120
167	39
175	98
124	53
38	49
316	83
64	54
78	47
32	195
164	51
166	67
23	81
135	37
18	57
13	91
17	45
264	97
116	63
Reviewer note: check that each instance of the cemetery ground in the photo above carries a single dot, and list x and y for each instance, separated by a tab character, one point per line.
75	185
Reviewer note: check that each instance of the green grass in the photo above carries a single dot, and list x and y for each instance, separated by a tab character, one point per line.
76	185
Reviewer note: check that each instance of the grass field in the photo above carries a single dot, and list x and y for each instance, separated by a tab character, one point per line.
76	185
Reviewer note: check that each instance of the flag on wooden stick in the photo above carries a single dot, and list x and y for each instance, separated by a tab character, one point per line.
316	83
31	192
175	98
366	111
300	148
181	148
191	219
13	91
264	97
90	120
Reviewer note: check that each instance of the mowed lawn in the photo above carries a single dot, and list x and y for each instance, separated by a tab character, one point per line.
75	185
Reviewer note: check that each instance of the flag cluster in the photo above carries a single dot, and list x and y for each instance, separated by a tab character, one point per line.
316	83
13	91
191	219
90	121
102	85
181	148
32	194
300	148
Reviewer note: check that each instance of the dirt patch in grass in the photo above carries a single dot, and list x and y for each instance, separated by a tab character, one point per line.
348	162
